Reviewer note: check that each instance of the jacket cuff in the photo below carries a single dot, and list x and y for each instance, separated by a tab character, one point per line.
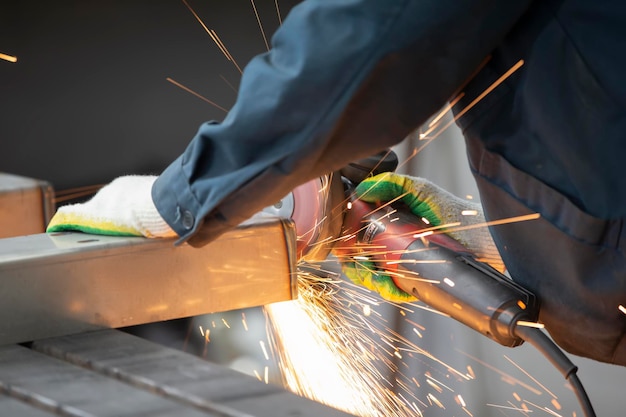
173	199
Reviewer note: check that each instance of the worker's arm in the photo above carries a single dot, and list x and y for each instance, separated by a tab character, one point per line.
343	80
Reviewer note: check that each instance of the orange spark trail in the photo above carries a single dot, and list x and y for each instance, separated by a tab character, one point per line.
9	58
316	372
424	136
177	84
516	219
530	324
455	227
531	377
213	36
260	25
546	409
479	98
221	45
228	83
506	407
445	110
280	20
326	352
501	373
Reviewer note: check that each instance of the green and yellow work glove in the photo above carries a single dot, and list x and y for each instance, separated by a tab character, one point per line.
367	274
439	207
123	207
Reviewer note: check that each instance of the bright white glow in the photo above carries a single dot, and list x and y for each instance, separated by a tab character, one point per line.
321	372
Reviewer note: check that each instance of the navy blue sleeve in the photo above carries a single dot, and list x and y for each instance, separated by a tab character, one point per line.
344	79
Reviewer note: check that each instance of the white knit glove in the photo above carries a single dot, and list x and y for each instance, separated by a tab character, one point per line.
124	207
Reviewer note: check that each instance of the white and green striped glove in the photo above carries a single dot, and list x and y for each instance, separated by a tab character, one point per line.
123	207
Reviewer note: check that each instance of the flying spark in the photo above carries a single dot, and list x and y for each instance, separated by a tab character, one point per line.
256	13
478	99
531	324
326	353
448	281
428	138
9	58
446	109
214	37
546	409
267	357
187	89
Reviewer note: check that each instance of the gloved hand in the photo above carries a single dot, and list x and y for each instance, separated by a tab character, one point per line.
123	207
433	203
366	274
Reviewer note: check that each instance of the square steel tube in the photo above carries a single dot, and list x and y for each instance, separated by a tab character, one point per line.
63	283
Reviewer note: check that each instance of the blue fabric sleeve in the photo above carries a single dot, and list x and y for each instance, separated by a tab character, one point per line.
344	79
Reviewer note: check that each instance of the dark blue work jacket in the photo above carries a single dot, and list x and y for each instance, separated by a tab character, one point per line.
348	78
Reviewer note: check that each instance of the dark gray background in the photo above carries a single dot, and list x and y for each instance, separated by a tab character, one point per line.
88	99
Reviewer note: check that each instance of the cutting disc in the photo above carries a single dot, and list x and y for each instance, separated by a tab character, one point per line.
316	207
